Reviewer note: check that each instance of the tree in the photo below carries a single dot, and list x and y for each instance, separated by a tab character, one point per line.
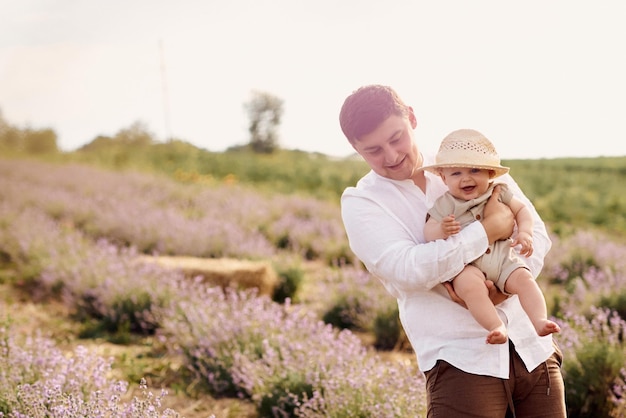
100	143
10	137
27	140
264	111
40	141
136	134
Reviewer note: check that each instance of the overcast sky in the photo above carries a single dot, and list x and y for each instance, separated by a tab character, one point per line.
541	79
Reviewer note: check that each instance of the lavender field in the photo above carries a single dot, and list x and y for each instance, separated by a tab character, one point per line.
89	328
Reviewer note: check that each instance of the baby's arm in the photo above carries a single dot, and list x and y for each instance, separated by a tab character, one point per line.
434	230
524	221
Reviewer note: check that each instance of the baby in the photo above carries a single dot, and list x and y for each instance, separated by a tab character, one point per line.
467	163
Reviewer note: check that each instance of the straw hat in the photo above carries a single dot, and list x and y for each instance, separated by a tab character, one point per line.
467	148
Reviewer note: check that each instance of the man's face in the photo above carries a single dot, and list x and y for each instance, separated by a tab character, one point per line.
390	149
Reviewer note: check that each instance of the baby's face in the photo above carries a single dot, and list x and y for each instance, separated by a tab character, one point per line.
466	183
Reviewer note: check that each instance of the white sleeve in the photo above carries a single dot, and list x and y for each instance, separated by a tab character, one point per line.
399	258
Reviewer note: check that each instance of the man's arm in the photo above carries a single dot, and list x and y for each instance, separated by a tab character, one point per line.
386	232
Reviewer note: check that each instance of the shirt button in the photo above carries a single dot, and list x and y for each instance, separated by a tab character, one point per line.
478	217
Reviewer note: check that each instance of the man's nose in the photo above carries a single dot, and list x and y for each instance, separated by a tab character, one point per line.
391	156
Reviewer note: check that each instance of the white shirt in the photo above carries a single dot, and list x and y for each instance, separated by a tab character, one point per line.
384	220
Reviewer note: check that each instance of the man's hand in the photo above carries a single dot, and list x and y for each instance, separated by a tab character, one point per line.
453	295
495	295
498	219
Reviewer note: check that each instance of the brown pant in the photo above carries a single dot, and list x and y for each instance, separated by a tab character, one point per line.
454	393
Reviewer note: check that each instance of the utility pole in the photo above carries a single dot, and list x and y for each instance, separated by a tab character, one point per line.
166	105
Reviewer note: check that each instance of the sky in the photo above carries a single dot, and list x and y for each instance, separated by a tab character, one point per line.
541	79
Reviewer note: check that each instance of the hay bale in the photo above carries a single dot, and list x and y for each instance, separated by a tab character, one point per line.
224	272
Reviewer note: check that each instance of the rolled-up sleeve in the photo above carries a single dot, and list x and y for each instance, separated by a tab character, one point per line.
392	246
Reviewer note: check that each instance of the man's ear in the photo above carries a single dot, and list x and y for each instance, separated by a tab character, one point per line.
412	118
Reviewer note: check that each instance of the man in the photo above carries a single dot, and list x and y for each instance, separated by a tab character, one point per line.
384	217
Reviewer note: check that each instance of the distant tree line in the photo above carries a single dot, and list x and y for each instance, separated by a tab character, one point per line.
136	135
567	192
264	112
16	140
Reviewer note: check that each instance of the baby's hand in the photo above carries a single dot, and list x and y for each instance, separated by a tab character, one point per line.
526	241
450	226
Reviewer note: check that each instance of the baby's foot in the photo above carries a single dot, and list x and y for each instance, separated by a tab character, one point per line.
546	327
497	335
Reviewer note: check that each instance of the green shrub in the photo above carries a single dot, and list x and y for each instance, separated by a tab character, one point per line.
588	377
388	330
346	313
285	396
289	281
579	264
616	302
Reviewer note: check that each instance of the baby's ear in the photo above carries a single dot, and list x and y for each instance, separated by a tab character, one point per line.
492	173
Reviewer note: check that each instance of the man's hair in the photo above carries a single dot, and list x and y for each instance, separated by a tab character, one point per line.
366	108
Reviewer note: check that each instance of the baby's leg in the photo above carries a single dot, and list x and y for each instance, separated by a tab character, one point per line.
470	286
522	283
